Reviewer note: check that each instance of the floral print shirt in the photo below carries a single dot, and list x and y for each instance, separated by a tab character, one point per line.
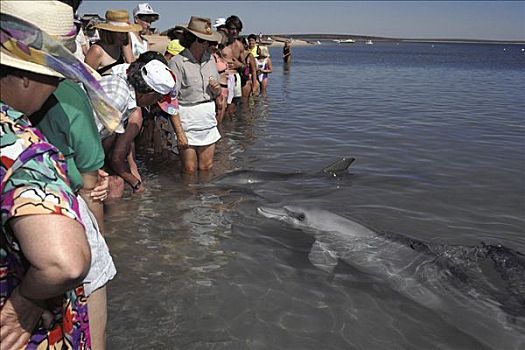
33	181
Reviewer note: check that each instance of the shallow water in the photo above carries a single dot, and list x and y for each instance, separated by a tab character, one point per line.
438	132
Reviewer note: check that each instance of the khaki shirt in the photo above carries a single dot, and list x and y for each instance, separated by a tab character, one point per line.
192	77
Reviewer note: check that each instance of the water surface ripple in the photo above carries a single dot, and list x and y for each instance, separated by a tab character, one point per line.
438	132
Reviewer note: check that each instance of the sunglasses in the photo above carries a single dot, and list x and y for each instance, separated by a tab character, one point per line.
147	18
202	41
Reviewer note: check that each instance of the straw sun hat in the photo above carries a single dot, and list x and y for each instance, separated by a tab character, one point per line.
118	21
201	28
53	17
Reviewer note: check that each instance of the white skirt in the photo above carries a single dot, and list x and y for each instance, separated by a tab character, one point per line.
199	124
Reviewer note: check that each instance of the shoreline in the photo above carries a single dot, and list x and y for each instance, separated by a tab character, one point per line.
358	37
160	42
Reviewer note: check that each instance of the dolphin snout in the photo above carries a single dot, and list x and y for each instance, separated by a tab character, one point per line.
271	213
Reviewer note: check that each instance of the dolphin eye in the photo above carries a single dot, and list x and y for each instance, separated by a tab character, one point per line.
300	216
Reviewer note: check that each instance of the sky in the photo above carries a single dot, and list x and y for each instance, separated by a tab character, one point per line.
489	20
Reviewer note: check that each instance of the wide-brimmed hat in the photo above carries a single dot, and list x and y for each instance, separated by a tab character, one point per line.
118	21
201	28
158	77
53	17
33	35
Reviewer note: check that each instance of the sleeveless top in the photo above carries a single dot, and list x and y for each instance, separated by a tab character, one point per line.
138	46
262	64
245	71
107	68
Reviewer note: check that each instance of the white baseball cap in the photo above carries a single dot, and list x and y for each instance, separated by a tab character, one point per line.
158	77
219	22
144	9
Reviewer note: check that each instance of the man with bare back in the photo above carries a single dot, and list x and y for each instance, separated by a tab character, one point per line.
233	52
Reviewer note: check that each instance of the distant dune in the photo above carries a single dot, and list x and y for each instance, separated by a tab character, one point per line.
159	42
358	38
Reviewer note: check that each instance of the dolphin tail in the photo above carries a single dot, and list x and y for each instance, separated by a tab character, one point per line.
322	257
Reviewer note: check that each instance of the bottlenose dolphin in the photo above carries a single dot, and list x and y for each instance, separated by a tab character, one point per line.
448	279
250	177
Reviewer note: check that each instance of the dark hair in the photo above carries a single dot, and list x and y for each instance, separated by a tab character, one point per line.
135	78
152	55
187	39
252	36
236	21
109	38
172	33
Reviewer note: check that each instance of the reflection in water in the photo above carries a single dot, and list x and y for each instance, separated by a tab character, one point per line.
286	68
286	77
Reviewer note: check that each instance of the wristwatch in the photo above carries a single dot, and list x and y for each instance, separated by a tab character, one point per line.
137	185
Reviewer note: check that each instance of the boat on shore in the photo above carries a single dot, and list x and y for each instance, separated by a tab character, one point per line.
266	41
345	41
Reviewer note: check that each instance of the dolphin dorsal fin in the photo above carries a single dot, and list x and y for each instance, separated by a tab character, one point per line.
322	257
339	166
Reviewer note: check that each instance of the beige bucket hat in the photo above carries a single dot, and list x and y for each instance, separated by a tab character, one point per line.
201	28
118	21
53	17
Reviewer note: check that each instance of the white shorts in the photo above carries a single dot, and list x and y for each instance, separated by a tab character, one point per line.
102	268
238	88
231	88
199	124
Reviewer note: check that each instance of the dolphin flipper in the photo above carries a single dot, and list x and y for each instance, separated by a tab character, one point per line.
322	257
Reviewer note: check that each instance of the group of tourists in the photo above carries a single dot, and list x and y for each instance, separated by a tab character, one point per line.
214	70
71	108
